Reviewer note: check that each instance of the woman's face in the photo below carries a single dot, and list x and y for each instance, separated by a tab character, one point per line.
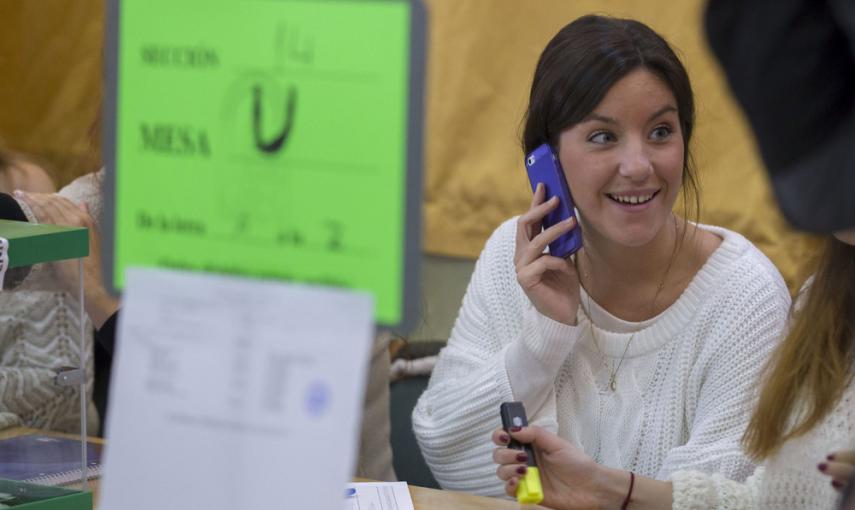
624	161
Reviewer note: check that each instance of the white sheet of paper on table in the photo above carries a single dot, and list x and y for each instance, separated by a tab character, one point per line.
378	496
230	393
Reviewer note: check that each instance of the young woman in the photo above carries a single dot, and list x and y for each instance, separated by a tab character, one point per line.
39	328
642	349
804	421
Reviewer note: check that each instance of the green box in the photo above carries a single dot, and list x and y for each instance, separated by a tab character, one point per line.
28	496
32	243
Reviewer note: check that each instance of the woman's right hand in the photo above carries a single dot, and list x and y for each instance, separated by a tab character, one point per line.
571	479
551	283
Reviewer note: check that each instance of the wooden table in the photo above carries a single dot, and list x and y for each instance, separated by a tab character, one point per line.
423	498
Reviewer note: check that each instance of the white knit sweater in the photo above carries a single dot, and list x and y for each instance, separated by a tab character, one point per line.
789	480
684	391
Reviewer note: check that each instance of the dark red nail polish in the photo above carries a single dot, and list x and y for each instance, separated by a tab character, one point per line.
515	429
522	457
836	484
504	438
830	456
521	470
822	467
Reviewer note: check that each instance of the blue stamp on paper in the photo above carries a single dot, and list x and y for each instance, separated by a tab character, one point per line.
317	399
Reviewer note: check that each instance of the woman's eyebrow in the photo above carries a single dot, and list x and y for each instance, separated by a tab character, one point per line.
664	109
611	120
602	118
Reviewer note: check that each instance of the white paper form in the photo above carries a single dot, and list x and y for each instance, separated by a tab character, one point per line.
234	394
378	496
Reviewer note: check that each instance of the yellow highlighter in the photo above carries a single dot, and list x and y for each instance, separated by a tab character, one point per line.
529	491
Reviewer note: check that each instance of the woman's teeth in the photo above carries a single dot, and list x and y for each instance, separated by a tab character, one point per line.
634	199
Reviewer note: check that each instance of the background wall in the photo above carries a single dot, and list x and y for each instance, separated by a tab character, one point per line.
481	58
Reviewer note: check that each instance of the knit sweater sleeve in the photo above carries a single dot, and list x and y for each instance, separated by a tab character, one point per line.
456	415
749	315
693	490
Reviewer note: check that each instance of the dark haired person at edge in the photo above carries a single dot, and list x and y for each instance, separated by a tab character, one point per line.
791	66
639	354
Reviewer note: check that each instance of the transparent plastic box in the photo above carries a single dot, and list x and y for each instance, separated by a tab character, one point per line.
46	463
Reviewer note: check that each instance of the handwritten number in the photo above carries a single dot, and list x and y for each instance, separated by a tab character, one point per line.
293	237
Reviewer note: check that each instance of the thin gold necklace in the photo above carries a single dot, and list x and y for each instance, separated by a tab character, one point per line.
613	371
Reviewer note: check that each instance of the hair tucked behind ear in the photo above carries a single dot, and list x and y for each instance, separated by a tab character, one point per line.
813	366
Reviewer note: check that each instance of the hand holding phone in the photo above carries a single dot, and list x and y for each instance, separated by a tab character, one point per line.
543	167
529	490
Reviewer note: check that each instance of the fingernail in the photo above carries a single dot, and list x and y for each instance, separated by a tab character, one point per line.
504	438
18	193
836	484
830	456
822	467
515	429
512	482
522	457
521	470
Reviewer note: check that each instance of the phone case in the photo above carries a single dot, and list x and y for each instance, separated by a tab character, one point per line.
543	166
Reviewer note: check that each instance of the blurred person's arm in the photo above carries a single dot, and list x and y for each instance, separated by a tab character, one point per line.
57	210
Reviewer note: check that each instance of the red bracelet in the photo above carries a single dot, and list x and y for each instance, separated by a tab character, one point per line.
625	504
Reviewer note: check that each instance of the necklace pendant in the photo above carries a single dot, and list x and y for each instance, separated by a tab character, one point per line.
613	384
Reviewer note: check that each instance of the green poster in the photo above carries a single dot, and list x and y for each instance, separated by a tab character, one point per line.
268	138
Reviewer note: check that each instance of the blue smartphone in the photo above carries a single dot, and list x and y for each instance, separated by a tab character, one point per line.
543	166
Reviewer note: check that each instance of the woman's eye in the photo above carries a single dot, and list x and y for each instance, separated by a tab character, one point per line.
601	137
661	132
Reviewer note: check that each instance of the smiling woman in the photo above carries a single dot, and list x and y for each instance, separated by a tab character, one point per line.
642	350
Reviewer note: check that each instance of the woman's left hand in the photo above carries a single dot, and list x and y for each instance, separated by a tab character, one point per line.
840	466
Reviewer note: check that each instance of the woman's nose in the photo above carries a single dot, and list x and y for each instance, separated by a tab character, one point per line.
635	163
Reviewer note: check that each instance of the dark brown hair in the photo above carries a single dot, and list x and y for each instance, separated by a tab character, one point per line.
583	61
812	367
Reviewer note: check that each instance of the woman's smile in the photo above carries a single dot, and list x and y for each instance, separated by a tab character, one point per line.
635	200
